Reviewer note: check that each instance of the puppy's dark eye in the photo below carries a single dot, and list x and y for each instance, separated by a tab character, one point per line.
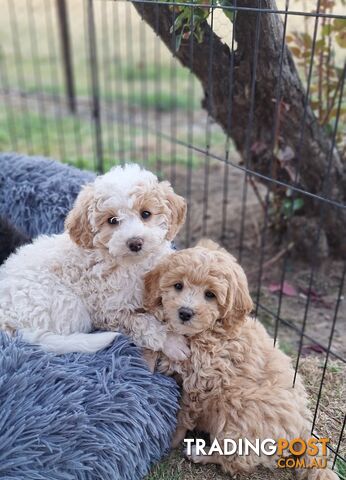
208	294
178	286
113	221
145	214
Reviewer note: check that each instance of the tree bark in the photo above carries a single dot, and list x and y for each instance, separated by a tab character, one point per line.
298	137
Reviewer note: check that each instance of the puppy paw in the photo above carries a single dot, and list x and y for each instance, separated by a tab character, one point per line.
193	457
111	336
176	348
151	358
100	340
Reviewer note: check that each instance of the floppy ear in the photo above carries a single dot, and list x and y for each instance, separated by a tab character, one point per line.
177	207
238	302
77	222
152	294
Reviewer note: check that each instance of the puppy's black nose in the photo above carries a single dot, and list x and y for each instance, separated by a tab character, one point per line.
135	244
185	314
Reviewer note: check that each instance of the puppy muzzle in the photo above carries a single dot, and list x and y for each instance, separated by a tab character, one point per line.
135	244
185	314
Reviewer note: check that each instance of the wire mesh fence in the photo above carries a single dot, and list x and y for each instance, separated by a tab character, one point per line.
241	105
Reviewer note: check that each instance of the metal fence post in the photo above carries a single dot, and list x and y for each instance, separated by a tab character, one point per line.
66	53
96	111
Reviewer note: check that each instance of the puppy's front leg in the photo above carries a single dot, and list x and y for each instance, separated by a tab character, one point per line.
175	347
151	358
179	436
187	419
195	457
148	332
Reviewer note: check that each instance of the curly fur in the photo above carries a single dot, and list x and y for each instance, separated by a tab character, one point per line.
236	384
56	289
11	238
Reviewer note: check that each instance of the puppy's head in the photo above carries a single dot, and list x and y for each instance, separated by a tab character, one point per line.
126	212
198	288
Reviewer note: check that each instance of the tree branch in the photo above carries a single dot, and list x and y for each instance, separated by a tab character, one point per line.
297	126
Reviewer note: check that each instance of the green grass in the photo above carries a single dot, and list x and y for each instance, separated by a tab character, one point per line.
287	347
334	368
149	87
46	135
166	470
155	85
341	469
139	71
163	101
153	97
71	140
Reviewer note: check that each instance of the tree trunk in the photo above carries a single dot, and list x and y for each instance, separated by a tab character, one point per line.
299	152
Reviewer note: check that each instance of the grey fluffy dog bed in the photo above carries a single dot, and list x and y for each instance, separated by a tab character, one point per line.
81	417
36	193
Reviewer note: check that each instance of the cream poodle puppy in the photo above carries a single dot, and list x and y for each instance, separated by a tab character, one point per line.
55	290
236	384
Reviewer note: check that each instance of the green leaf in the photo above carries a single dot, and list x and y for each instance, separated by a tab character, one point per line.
326	30
199	35
286	208
296	51
178	40
298	203
181	20
341	39
200	14
320	43
339	24
329	129
341	469
290	207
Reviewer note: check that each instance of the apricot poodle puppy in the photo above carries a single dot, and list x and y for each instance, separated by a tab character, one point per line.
236	384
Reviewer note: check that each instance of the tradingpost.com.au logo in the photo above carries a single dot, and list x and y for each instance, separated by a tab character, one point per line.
296	453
